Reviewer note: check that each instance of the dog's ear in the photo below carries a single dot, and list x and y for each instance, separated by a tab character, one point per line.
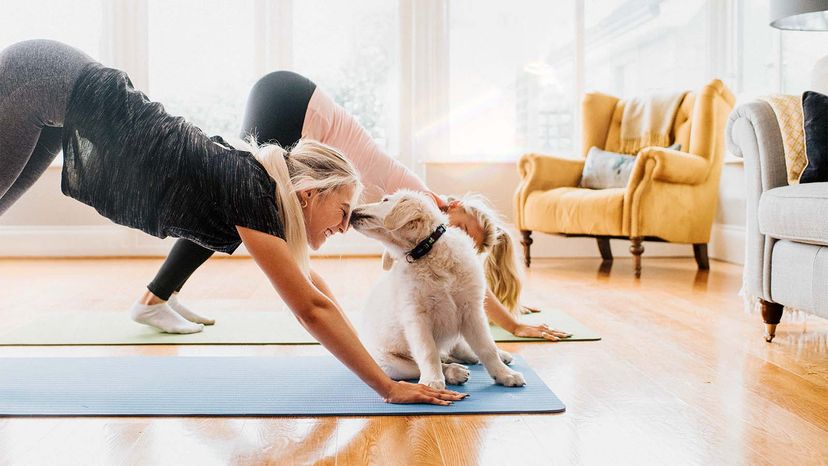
387	260
403	212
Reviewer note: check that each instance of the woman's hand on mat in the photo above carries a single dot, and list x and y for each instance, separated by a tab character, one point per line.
540	331
405	392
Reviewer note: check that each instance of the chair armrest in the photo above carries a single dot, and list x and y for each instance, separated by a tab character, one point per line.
659	175
541	173
753	133
671	166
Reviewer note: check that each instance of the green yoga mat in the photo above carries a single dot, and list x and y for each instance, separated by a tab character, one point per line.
232	328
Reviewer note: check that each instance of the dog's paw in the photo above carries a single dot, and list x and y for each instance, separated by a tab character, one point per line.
506	357
469	359
510	379
434	383
456	374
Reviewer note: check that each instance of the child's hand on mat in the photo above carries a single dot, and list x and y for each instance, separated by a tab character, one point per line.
540	331
528	310
405	392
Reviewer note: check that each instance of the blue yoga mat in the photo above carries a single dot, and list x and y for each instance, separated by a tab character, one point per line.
232	386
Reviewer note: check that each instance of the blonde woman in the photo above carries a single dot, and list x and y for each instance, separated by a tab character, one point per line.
284	107
143	168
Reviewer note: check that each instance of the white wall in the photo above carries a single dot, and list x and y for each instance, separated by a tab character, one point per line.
727	240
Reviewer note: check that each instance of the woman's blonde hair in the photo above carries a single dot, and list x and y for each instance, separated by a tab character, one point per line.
307	165
500	264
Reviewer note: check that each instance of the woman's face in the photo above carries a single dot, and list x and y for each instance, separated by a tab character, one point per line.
326	214
458	217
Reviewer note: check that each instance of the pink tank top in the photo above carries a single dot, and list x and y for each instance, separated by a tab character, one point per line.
329	123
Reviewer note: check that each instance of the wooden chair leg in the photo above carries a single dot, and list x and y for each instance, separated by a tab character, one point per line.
637	249
526	241
700	251
771	314
604	248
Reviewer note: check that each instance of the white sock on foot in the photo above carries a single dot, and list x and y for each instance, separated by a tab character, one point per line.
184	312
162	317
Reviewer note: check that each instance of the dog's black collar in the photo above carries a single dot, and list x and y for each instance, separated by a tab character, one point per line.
425	245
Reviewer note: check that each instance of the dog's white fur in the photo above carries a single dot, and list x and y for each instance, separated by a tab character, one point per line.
428	311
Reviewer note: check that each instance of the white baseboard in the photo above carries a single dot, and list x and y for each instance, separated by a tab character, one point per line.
727	244
74	241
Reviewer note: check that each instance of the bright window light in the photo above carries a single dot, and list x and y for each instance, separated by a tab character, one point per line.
351	51
202	61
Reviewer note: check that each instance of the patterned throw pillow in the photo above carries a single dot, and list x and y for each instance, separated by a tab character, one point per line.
815	110
788	112
604	169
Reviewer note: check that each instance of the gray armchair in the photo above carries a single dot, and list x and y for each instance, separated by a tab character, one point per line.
786	260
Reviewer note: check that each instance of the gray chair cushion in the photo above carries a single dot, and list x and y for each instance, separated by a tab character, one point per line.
799	274
796	212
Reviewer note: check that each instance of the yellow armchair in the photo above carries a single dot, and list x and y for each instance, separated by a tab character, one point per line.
671	195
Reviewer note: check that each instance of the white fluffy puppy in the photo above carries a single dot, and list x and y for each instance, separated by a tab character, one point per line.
431	302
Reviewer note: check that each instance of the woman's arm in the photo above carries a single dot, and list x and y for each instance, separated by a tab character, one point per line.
501	316
323	287
320	316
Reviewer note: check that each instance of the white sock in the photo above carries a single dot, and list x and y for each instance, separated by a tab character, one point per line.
184	312
162	317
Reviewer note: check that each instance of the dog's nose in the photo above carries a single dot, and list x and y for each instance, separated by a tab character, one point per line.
357	215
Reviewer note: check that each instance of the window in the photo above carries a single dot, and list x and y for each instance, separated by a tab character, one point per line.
351	51
201	60
511	65
635	47
511	78
759	47
78	23
772	60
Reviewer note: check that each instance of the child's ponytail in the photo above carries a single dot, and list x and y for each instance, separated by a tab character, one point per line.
501	271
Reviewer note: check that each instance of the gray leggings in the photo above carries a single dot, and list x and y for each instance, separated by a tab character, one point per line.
36	78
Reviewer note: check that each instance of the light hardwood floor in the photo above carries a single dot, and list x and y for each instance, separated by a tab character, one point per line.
682	376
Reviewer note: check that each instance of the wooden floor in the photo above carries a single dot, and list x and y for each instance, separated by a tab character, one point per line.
682	376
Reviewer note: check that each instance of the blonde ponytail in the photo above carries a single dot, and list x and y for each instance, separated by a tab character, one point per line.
501	271
272	158
500	265
308	165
